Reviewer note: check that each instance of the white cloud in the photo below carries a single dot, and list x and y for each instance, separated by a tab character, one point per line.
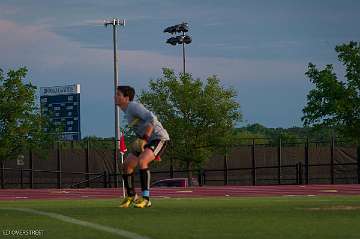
54	60
6	10
30	45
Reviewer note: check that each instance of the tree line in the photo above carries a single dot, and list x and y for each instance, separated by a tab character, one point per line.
199	115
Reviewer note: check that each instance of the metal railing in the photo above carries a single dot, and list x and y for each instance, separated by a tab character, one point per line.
300	175
296	173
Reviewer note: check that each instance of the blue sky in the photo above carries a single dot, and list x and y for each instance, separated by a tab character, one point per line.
260	48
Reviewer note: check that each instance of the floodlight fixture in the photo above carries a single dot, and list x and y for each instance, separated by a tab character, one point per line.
180	39
183	27
115	22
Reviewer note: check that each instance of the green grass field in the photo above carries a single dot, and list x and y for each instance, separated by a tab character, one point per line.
275	217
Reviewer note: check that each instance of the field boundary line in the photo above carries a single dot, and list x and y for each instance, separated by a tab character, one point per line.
68	219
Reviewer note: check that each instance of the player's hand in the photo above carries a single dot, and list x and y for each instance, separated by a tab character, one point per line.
138	145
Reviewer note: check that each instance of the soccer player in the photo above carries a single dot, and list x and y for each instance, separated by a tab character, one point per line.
150	143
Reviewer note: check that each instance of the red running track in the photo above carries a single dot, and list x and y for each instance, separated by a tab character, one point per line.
206	191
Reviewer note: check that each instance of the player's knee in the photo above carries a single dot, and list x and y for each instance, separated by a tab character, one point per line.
143	164
127	169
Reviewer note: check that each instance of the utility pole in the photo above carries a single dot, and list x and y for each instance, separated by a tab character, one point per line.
116	22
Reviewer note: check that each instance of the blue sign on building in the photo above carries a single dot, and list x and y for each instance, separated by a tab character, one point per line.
62	105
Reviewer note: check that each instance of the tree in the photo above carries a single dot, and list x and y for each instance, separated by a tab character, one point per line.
21	124
265	135
198	116
334	103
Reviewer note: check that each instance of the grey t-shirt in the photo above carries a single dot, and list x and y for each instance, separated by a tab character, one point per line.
139	117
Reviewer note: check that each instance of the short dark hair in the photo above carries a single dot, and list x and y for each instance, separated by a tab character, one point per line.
127	91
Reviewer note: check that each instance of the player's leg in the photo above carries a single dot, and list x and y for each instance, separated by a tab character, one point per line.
152	150
128	175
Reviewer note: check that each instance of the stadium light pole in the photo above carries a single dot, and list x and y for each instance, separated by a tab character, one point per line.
180	39
116	22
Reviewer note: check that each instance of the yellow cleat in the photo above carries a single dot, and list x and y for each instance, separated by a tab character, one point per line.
127	202
142	203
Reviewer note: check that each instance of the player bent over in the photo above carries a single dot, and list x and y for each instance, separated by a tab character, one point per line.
151	143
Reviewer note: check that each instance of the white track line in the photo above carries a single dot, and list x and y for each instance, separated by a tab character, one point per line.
67	219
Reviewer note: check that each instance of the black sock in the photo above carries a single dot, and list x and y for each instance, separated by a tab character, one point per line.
145	183
129	184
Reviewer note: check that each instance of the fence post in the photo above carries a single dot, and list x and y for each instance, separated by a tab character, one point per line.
332	173
2	162
31	163
171	168
358	163
115	167
307	161
279	161
253	163
203	177
105	179
226	176
200	177
87	177
22	178
300	171
58	166
297	173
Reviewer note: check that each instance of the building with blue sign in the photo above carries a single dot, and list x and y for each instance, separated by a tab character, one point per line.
62	105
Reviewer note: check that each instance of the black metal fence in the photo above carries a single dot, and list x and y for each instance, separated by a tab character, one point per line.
258	164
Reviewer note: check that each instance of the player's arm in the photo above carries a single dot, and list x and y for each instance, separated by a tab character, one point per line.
147	117
148	132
